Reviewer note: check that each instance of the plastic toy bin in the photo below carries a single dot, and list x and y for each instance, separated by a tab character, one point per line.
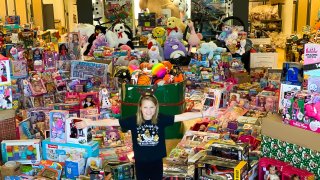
171	99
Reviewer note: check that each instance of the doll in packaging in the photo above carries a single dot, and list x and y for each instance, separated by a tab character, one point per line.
272	174
36	85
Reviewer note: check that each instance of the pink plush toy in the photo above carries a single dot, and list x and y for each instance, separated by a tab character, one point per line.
194	38
313	110
98	42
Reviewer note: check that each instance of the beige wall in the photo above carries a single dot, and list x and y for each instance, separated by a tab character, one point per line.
21	10
3	9
37	9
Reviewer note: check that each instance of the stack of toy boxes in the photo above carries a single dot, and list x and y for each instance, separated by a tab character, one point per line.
69	144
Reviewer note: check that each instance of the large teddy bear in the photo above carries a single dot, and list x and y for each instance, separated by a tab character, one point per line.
210	48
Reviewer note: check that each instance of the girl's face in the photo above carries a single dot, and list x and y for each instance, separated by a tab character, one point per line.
148	109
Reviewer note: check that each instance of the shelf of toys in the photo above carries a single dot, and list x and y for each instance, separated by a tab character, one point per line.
50	89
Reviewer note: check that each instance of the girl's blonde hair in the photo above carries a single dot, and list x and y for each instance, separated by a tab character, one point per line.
154	119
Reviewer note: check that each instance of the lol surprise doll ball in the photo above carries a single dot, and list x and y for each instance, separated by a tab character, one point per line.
159	70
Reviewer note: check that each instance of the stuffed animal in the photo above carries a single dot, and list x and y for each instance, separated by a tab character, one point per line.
182	6
97	30
122	61
122	35
175	28
159	33
173	48
242	49
14	53
194	38
100	41
210	48
154	55
152	42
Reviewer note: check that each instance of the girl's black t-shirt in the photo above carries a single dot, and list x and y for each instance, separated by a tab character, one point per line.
148	139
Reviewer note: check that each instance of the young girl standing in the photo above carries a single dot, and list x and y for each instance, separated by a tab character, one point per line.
148	135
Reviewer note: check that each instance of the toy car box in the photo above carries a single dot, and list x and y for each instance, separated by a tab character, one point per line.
58	151
210	168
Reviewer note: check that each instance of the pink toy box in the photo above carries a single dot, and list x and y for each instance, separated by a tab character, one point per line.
58	125
292	173
302	110
23	151
271	168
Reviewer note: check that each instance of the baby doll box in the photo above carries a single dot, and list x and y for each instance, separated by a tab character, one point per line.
171	99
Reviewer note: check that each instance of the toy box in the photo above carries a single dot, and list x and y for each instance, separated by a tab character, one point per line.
292	73
211	168
48	170
75	135
19	69
271	168
59	152
10	169
286	88
239	151
89	100
121	171
299	157
5	97
23	151
5	77
84	70
302	111
74	168
290	172
57	124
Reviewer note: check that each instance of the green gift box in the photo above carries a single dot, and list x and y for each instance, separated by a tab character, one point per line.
171	98
298	156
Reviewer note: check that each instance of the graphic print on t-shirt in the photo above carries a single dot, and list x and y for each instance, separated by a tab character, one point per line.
147	135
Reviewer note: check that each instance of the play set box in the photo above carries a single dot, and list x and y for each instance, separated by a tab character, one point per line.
22	151
59	152
210	168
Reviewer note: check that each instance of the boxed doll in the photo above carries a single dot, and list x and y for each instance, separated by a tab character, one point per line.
5	77
89	100
59	152
57	124
5	97
23	151
75	135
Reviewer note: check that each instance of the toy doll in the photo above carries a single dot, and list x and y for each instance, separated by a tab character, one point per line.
63	52
37	54
233	100
37	86
269	106
262	102
88	102
272	174
3	78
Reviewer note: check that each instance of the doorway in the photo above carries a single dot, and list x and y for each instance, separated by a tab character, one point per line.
48	16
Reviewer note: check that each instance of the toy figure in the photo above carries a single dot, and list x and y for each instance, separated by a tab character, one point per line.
37	86
88	102
63	51
2	72
37	54
14	53
233	100
272	174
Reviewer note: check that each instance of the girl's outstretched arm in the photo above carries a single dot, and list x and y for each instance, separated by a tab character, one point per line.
187	116
103	122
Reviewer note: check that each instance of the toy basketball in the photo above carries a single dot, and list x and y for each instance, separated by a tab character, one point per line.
168	65
159	70
132	68
144	80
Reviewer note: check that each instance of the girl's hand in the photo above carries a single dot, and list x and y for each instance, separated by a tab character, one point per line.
84	123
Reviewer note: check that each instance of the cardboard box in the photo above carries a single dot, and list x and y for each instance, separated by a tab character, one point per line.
10	171
290	144
57	152
273	127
